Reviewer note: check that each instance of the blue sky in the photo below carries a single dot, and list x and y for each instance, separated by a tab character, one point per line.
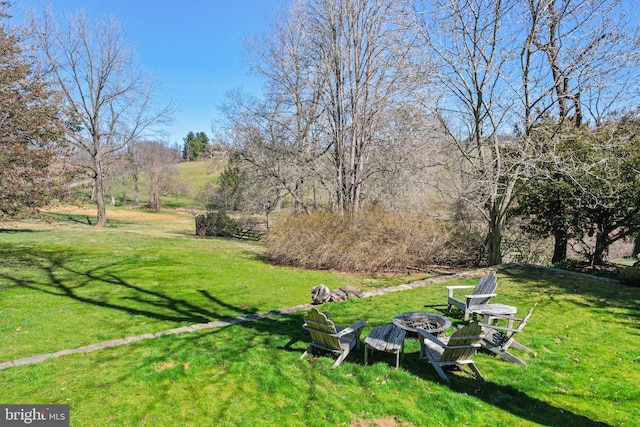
193	47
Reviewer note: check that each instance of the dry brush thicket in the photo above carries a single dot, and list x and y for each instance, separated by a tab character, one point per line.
372	241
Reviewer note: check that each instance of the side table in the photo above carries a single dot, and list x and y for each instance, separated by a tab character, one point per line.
388	338
490	311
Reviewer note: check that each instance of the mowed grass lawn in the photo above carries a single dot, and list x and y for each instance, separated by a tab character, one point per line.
64	284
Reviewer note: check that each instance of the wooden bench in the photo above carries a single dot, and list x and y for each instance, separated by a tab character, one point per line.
388	338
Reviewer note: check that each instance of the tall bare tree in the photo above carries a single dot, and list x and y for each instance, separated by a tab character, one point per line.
107	94
281	135
365	48
278	157
579	59
158	161
336	73
473	48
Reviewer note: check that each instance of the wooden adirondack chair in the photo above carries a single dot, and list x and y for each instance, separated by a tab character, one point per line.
482	292
498	339
329	337
458	349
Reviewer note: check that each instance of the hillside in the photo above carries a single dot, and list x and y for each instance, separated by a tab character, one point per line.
184	188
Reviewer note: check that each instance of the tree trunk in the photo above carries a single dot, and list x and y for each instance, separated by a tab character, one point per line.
277	206
560	245
136	189
636	247
601	247
494	240
494	250
99	194
315	195
154	194
113	197
298	197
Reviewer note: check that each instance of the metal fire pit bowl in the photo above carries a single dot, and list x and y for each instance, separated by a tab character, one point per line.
431	322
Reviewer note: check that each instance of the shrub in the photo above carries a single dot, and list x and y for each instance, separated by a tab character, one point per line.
630	276
216	224
566	264
372	241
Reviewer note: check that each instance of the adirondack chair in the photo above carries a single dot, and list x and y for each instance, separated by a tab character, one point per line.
482	292
458	349
329	337
498	339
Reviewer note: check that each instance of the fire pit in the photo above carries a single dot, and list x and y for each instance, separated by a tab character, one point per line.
431	322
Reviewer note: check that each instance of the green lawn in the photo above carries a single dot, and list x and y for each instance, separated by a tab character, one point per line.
131	278
64	285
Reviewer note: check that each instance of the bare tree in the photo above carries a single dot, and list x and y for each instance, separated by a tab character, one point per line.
473	49
579	59
158	161
402	160
106	93
281	136
365	48
133	160
336	72
277	162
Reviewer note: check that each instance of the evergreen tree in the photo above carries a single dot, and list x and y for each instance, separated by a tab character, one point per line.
195	145
30	129
588	191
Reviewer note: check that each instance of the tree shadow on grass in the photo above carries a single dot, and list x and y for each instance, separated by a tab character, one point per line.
15	231
443	310
547	283
593	292
57	276
520	404
60	274
503	397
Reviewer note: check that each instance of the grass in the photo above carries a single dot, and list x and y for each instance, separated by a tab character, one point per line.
126	280
200	173
65	284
